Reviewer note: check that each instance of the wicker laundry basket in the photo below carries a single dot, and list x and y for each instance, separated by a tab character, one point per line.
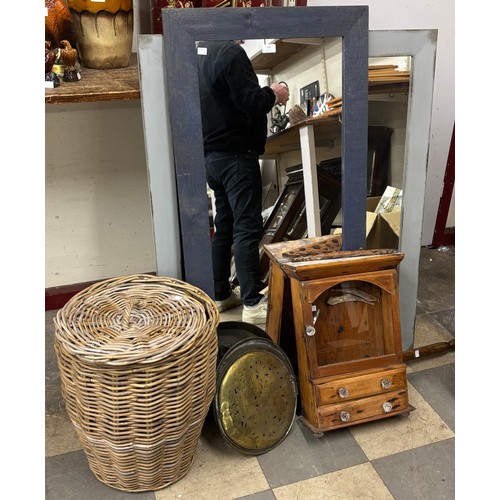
138	363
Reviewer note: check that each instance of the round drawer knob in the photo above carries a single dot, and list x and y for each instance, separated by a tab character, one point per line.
345	416
310	330
387	407
343	392
385	383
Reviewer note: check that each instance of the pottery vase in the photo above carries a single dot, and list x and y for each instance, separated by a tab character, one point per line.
104	32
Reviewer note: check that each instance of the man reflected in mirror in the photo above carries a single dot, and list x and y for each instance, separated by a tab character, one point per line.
234	110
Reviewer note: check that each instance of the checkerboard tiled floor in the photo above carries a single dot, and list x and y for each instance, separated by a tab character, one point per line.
403	457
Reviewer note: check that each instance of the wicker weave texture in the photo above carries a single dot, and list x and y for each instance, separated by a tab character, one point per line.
138	362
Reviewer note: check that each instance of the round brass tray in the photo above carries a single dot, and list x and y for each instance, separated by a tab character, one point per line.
256	393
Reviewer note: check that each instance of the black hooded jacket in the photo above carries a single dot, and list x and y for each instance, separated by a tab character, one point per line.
233	105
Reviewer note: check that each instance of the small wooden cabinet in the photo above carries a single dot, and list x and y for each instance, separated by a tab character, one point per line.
336	315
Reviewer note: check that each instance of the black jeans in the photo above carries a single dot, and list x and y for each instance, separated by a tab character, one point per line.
236	182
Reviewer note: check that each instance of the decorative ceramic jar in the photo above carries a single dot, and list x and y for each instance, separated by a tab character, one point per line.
104	30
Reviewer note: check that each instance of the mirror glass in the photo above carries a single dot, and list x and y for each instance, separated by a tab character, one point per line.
312	69
181	28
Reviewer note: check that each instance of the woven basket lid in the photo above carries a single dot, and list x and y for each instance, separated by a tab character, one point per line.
134	319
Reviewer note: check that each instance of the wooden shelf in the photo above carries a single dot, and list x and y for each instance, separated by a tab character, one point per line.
326	129
99	85
265	62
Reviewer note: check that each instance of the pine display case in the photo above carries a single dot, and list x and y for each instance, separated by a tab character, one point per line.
336	315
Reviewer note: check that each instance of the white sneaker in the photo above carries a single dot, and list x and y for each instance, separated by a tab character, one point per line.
257	314
232	301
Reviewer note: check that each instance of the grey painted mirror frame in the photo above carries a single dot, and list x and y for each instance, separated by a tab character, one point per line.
182	28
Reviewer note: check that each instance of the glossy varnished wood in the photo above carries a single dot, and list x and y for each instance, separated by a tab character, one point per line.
321	257
362	410
276	286
351	344
428	350
360	384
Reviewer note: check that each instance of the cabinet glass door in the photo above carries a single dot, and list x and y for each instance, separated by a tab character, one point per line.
352	324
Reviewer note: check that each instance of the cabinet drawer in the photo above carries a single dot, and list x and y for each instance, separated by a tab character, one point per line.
347	388
350	412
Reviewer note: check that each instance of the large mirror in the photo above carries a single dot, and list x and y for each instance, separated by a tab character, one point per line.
182	28
417	45
312	69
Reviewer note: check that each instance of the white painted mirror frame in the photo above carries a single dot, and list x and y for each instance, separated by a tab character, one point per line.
421	46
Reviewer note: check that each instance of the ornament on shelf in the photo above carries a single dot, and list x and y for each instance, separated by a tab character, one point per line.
279	120
51	79
58	23
69	57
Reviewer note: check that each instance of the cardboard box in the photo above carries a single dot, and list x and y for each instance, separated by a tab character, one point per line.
382	229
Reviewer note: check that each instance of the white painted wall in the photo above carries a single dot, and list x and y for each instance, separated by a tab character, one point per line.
98	220
431	14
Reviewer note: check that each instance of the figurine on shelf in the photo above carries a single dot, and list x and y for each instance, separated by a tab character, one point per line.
58	67
50	59
297	115
69	57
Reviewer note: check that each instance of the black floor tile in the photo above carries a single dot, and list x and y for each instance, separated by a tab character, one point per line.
262	495
419	310
436	282
425	473
68	477
446	319
302	455
437	387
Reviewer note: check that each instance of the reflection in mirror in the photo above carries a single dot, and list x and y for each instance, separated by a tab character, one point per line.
305	66
234	114
312	70
181	28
